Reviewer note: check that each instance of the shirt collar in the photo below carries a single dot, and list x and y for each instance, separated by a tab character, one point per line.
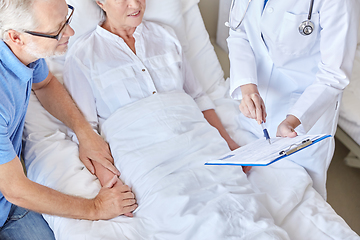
105	33
13	64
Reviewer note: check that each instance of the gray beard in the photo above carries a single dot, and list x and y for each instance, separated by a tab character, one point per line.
35	51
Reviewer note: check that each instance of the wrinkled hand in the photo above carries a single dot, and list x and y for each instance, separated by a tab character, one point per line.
287	127
252	105
120	183
114	199
92	147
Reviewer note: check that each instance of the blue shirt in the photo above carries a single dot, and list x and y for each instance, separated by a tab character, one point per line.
15	87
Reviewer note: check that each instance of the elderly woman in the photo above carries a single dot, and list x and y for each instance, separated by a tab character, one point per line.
130	59
128	68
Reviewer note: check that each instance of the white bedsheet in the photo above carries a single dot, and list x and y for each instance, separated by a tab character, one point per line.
159	145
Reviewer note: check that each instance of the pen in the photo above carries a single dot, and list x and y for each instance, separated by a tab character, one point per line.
266	134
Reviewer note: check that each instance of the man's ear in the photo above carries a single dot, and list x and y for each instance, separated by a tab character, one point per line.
15	37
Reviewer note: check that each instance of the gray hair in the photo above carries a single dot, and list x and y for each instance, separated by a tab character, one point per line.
16	15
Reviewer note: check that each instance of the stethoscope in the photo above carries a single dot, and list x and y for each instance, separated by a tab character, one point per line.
305	28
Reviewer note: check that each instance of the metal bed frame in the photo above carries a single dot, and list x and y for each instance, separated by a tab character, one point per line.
353	158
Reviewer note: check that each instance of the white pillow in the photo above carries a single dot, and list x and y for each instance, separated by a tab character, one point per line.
358	33
201	55
168	12
87	15
187	4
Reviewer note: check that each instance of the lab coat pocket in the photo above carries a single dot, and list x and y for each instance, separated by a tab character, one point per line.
290	41
112	87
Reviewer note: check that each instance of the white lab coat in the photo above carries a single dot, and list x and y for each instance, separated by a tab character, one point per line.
299	75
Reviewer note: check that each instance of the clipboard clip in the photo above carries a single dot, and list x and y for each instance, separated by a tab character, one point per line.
296	147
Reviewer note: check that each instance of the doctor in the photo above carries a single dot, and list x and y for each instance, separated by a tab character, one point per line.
289	63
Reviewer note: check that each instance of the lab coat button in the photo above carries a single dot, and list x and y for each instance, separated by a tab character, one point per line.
143	70
154	92
270	10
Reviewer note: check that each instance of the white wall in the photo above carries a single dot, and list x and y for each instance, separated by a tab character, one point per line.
210	10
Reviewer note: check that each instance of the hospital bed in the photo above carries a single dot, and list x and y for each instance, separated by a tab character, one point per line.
348	131
51	157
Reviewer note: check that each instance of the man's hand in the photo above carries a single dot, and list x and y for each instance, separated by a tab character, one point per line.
252	105
287	127
92	147
55	99
114	199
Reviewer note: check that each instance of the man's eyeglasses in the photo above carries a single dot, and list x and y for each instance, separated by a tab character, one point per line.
62	29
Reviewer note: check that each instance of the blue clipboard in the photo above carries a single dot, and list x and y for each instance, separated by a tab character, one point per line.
288	146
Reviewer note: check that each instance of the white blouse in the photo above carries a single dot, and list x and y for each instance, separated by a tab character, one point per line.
103	74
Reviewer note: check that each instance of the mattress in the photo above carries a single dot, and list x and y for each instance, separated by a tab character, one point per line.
351	128
349	119
285	187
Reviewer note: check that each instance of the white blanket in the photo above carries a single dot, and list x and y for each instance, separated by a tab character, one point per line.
160	145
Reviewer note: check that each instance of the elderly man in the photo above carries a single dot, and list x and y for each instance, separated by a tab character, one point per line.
29	31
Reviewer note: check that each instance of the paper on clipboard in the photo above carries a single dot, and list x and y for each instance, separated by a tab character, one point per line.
261	153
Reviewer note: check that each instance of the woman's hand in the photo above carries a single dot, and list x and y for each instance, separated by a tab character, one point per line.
287	127
246	169
233	145
252	105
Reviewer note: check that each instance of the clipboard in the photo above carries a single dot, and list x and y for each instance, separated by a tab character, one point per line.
250	155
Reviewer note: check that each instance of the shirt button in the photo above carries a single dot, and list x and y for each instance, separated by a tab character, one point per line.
270	10
143	70
154	92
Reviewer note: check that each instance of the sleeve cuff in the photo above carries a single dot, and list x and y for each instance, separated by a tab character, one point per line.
204	103
7	155
235	84
304	125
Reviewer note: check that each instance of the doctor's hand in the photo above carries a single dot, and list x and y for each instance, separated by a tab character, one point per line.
287	127
93	147
252	105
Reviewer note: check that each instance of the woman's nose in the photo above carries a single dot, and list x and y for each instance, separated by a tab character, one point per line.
134	4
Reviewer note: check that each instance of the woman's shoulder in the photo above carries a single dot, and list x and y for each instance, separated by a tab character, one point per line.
160	31
158	27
